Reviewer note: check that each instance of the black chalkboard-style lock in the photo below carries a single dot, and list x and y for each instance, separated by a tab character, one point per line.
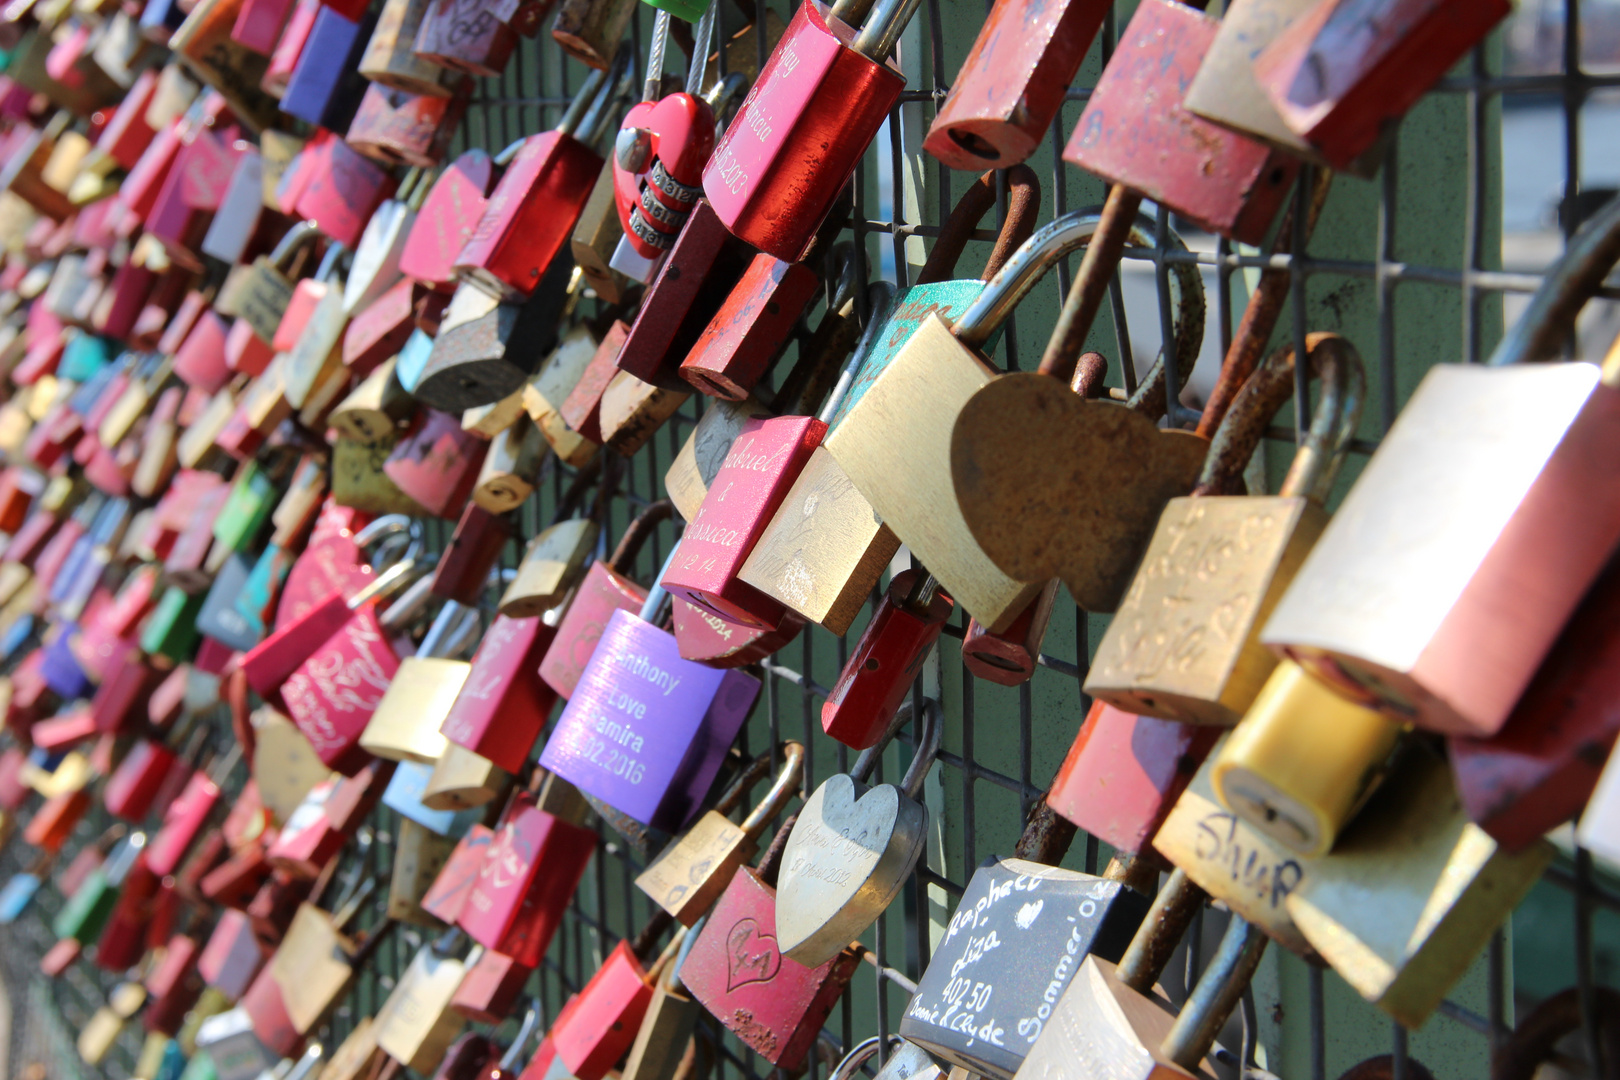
1018	937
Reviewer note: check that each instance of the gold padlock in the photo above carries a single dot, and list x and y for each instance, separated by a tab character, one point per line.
1184	644
596	237
374	410
688	876
416	1025
267	293
489	421
1412	891
544	395
196	448
204	43
666	1027
463	779
391	58
632	411
551	566
285	765
511	467
359	482
405	726
356	1055
317	958
419	855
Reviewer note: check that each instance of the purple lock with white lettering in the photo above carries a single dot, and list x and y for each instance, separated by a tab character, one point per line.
646	731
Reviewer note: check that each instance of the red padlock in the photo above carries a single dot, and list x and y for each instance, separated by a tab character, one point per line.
490	988
886	661
447	220
398	127
703	636
463	570
531	215
751	484
127	134
582	409
129	791
815	108
468	35
345	188
173	986
380	329
200	361
290	46
503	706
436	463
448	894
233	956
751	328
55	820
606	1015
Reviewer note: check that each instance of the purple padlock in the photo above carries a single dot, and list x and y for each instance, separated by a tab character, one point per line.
646	730
62	671
326	86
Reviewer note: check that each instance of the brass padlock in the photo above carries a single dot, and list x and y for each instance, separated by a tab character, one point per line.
405	725
512	467
551	566
419	855
416	1025
268	292
391	58
1185	642
374	410
463	779
544	395
204	42
688	876
632	411
597	236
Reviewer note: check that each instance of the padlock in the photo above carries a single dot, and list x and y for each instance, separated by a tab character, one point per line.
511	468
468	36
185	817
85	914
359	482
631	412
398	127
503	705
552	565
598	233
1303	760
1395	655
204	43
391	60
436	463
1411	892
1036	921
270	291
344	189
761	165
829	893
194	189
886	660
233	955
563	373
596	744
688	876
945	544
317	959
1154	151
405	724
283	57
373	411
464	569
378	332
1008	91
448	894
1321	72
463	780
602	1020
447	219
326	86
771	1002
745	335
173	986
531	213
375	267
529	872
604	589
1541	768
96	1039
1238	865
486	350
1108	1019
1183	645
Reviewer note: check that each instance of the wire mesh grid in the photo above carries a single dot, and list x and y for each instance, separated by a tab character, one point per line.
1001	744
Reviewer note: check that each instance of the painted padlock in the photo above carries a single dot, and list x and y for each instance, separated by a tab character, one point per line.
401	128
447	220
1185	642
818	103
886	660
1008	91
529	873
775	1005
531	214
1446	513
436	463
504	705
390	59
602	1020
468	35
326	85
832	889
604	589
657	770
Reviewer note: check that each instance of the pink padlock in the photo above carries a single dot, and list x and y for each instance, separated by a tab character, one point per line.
200	360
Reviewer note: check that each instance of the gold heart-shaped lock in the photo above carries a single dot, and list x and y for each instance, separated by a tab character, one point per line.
852	848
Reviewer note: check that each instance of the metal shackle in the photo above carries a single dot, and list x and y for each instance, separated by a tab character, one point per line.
927	748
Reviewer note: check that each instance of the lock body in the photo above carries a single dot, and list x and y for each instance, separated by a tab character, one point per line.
448	894
530	871
1440	527
750	329
390	58
326	85
436	463
1124	773
884	664
601	592
551	565
333	695
504	704
447	220
1049	920
1010	87
405	726
1185	644
466	35
606	745
531	215
773	1003
399	127
489	991
488	355
605	1017
676	137
751	484
807	121
1229	184
703	636
688	876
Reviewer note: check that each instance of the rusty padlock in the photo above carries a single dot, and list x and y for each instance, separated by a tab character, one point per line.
399	127
391	60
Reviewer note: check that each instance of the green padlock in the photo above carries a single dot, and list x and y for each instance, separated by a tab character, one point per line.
85	914
252	500
172	629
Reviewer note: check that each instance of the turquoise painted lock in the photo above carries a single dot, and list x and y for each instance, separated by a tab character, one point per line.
249	505
171	630
932	291
412	359
85	355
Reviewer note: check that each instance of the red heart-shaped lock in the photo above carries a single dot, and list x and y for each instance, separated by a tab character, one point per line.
669	141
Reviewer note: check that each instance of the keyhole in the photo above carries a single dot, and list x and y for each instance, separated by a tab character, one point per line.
973	144
872	663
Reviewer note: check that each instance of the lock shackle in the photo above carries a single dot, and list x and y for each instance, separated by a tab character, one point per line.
781	792
1534	1040
408	184
118	863
720	96
448	942
1161	931
525	1032
1219	989
921	762
424	187
584	98
306	1064
386	528
604	105
882	28
826	354
411	602
1023	213
697	60
335	254
443	632
863	1052
385	583
1334	361
840	275
880	296
504	158
1042	251
294	238
568	505
350	906
636	534
657	597
1574	279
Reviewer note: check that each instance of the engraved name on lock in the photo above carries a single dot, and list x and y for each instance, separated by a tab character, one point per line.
333	682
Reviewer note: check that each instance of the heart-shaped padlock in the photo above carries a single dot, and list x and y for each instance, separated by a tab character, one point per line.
853	848
658	161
